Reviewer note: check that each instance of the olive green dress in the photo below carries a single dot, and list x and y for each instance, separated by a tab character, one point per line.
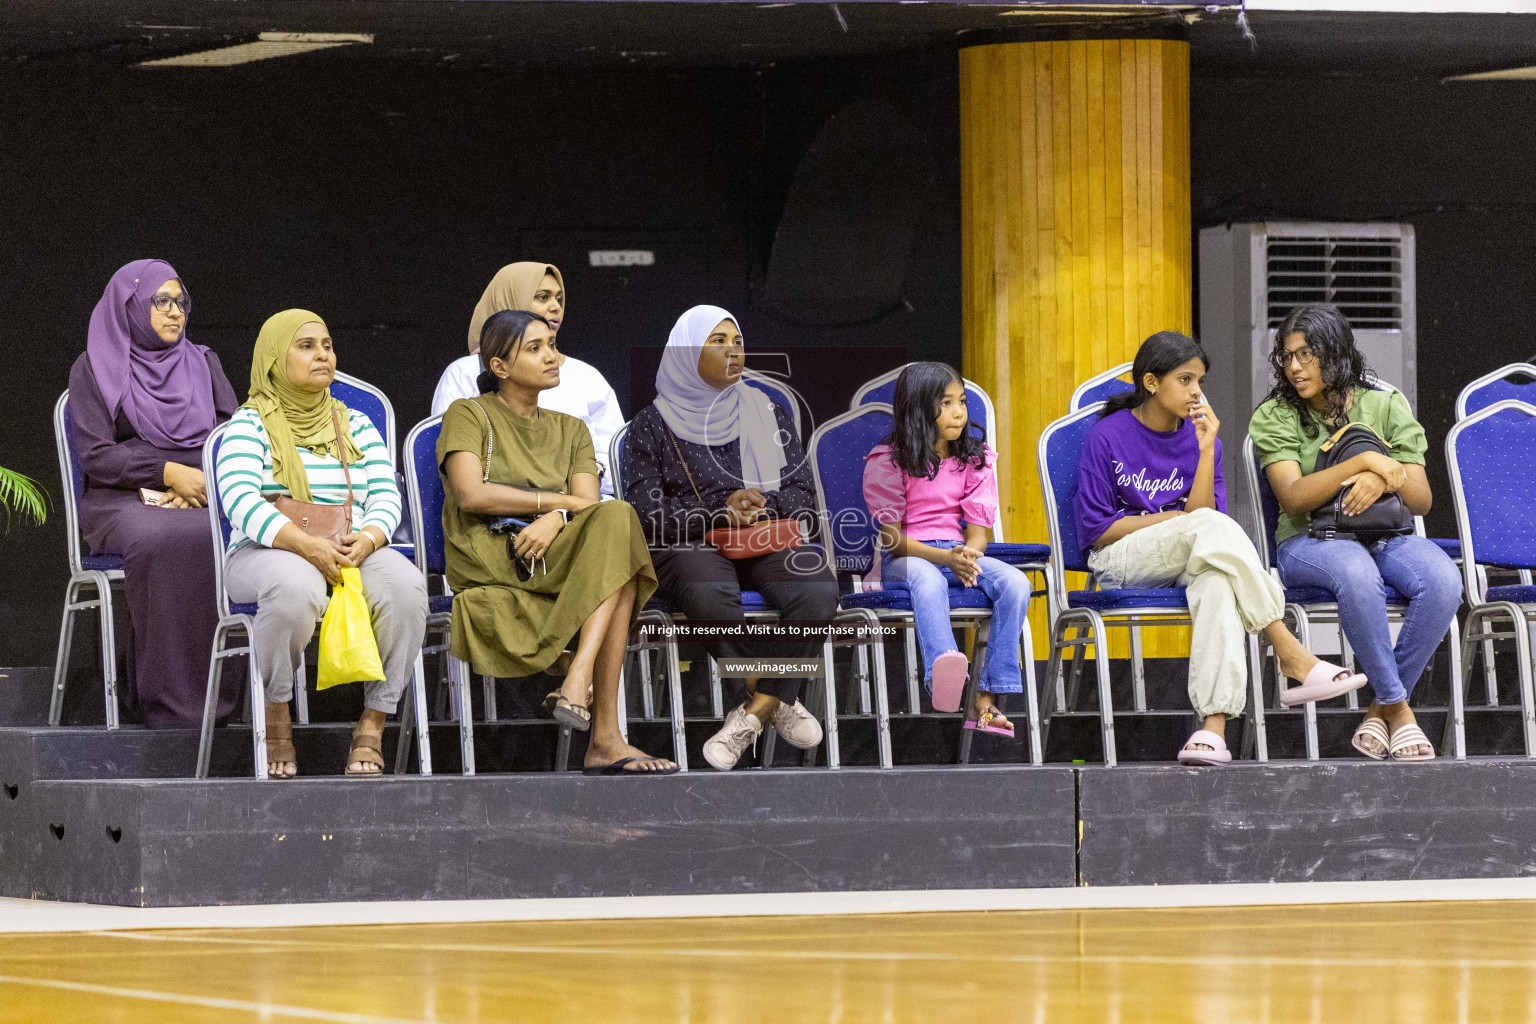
503	626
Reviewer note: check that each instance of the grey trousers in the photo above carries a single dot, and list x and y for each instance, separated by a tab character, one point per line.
291	596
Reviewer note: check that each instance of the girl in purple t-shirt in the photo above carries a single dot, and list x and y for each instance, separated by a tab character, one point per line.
1151	511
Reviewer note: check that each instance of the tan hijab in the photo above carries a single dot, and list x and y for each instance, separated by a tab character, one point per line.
513	287
293	419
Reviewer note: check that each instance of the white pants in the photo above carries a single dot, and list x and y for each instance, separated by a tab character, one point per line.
1229	594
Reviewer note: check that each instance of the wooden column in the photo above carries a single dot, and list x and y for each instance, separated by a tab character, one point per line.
1075	230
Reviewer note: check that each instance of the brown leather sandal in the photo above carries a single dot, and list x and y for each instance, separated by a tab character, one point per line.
280	741
366	746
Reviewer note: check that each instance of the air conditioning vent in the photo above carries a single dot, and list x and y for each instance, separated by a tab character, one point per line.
1362	276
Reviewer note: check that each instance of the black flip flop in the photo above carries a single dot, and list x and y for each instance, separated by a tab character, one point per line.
617	767
566	713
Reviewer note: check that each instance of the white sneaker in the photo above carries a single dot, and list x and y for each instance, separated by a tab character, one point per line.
724	748
797	725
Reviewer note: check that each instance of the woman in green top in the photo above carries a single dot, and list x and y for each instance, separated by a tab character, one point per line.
1321	384
579	565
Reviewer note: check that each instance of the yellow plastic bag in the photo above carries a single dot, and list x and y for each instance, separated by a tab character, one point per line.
348	651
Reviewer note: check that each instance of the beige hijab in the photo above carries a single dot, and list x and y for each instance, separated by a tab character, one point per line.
513	287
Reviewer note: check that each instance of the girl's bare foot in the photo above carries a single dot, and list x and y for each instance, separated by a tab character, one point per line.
600	754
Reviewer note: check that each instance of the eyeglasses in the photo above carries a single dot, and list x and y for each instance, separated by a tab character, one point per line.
1304	355
162	302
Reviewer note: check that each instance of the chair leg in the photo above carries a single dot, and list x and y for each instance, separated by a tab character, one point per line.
716	696
968	695
914	670
301	692
563	750
623	703
1347	656
61	662
1523	657
647	694
422	720
674	667
1138	672
488	696
1454	741
1256	739
1079	655
1031	694
258	712
211	703
108	648
829	705
861	677
458	672
1106	697
882	697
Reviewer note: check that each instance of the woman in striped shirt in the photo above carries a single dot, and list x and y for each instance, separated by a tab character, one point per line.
283	441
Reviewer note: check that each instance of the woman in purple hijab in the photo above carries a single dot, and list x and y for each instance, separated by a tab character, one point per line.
143	399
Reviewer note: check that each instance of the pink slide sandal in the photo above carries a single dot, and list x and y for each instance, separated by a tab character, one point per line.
991	721
1322	682
949	671
1217	755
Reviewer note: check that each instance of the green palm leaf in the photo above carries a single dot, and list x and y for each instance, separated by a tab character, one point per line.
23	495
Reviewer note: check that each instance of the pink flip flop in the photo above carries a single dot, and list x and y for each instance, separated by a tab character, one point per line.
1322	682
988	723
949	671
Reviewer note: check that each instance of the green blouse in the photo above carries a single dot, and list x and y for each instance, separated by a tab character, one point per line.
1277	433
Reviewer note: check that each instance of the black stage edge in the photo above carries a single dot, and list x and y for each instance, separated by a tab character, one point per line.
177	843
1340	821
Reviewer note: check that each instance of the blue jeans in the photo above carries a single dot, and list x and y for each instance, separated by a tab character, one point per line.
1009	591
1357	575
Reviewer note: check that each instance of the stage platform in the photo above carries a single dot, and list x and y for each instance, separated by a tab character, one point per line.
177	842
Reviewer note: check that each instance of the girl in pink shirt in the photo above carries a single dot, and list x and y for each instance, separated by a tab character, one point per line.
931	487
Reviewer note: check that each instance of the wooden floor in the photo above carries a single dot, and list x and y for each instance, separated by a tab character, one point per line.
1437	963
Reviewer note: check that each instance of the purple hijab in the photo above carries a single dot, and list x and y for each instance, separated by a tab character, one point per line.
165	390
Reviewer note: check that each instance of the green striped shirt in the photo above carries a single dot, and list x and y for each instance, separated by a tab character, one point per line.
244	472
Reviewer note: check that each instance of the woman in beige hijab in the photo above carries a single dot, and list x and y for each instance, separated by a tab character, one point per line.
583	392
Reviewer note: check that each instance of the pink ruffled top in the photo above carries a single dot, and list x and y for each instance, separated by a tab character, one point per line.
931	509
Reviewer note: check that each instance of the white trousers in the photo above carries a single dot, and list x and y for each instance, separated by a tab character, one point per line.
1230	595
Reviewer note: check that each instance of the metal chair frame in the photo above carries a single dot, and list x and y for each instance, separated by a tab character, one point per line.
1092	391
826	689
235	625
1090	624
1468	395
81	580
978	618
440	625
1484	614
1302	617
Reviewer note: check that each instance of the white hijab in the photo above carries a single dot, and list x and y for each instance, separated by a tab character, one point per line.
697	412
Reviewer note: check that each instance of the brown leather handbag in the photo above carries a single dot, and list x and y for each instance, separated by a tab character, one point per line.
745	541
333	522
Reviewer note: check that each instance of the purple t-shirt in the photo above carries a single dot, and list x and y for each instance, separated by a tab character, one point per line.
1129	469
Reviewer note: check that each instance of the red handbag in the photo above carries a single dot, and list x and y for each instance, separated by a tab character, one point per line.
746	541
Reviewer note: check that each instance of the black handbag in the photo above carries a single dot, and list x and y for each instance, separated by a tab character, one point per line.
1387	517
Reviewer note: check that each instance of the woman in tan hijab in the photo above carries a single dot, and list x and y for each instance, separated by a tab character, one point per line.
582	392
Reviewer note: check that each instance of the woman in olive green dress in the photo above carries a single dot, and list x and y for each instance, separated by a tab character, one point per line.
580	566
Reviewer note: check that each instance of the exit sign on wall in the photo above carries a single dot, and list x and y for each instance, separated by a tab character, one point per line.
621	258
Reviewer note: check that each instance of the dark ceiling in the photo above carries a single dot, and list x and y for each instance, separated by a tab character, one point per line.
519	33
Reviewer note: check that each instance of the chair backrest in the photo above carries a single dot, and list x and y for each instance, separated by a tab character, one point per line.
618	448
1489	455
1497	387
978	404
72	476
1061	449
837	451
778	391
1102	387
424	495
221	527
371	402
1263	506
